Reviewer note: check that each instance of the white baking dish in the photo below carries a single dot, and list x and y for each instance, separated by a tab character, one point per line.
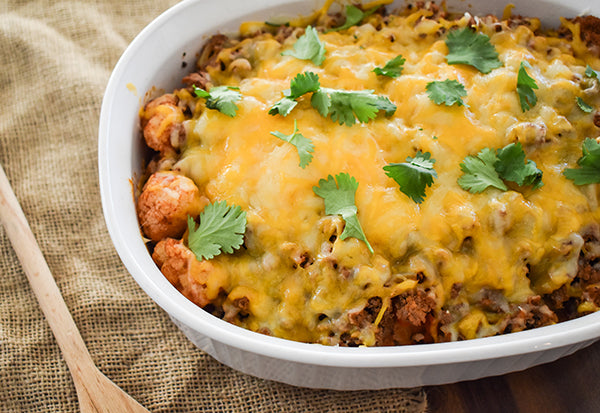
155	59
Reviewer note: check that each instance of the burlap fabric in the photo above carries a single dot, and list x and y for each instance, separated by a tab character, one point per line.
55	60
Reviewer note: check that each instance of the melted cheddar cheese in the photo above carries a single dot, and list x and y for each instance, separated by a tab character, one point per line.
296	277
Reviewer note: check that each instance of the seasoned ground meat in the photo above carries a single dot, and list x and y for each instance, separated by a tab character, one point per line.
407	319
557	299
493	301
534	313
198	79
414	306
367	315
589	272
210	52
589	32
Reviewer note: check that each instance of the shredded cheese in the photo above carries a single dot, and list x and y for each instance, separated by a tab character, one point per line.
521	243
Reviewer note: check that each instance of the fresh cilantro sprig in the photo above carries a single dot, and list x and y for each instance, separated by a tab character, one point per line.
348	106
221	98
583	105
492	168
589	72
302	84
525	86
446	92
393	68
354	15
414	175
344	106
512	166
479	172
589	164
471	48
303	145
339	200
283	106
221	229
308	47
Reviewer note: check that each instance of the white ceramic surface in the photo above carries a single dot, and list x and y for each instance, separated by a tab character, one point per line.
154	59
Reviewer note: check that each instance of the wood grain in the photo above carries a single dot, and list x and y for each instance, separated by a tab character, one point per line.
566	385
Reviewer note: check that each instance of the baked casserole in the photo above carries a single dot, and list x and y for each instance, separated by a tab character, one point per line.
380	177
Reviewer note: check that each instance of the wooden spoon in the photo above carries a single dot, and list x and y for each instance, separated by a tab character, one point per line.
96	393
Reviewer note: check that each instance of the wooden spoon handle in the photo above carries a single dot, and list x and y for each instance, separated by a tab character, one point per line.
96	393
42	282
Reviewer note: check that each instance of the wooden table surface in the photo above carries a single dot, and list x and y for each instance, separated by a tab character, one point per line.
570	384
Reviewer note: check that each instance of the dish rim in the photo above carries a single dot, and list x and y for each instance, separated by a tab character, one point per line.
169	299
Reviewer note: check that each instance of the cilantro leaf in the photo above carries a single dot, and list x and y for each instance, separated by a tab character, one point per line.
308	47
304	83
383	103
320	100
221	229
525	86
221	98
589	72
584	106
511	166
471	48
392	68
414	175
348	106
490	168
344	106
301	84
303	145
479	172
447	91
589	165
354	15
339	200
283	107
201	93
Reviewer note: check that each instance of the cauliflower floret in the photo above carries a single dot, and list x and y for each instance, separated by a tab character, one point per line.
165	203
199	281
162	122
